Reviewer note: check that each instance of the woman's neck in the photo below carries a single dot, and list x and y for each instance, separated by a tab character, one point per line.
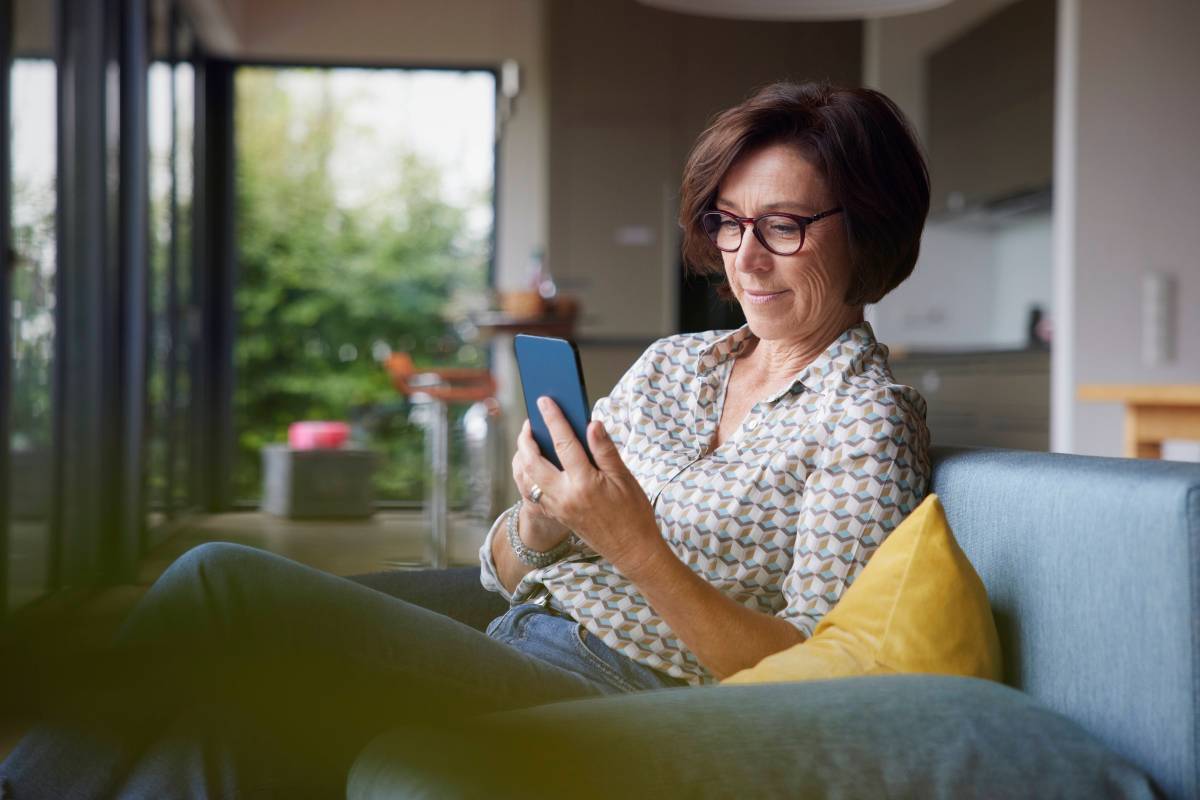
774	360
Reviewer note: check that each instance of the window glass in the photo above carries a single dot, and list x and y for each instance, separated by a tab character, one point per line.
160	96
182	297
33	137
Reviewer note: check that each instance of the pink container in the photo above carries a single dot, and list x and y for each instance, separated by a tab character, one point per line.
317	435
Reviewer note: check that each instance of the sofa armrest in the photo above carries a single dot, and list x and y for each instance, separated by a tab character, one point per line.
1092	568
455	592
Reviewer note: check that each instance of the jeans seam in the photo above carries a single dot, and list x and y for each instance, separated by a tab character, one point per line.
580	632
523	624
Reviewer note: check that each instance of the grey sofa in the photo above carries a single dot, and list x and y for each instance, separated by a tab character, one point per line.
1094	578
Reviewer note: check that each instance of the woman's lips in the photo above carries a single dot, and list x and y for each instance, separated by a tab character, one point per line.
759	298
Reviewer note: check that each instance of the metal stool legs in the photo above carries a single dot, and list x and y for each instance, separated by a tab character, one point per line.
434	418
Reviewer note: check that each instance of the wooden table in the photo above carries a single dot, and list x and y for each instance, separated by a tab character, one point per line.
491	323
1152	413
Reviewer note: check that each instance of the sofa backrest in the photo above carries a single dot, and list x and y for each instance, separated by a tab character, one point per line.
1092	569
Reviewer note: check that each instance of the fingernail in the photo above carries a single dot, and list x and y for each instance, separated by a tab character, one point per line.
543	403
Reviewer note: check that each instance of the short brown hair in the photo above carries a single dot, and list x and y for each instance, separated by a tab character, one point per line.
861	143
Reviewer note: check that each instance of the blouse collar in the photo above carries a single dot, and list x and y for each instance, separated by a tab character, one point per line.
845	355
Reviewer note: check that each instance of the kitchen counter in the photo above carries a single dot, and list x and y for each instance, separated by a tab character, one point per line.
981	398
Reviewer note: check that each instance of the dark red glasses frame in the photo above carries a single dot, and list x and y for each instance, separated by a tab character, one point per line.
803	222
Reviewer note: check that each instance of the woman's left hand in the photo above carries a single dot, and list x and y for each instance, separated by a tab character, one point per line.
604	505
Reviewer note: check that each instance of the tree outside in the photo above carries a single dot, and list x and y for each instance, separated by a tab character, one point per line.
34	252
347	251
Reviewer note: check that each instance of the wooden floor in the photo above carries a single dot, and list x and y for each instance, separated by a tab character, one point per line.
389	540
386	541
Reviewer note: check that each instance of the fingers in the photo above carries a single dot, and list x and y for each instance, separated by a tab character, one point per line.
518	473
604	450
530	467
566	444
520	459
537	468
524	486
527	448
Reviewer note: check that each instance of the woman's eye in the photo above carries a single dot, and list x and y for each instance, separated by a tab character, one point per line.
785	228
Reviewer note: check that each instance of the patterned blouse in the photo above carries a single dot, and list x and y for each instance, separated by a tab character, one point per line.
780	517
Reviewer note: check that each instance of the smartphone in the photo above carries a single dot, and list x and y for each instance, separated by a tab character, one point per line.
551	367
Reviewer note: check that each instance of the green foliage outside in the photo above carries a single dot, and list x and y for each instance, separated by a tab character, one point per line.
33	317
325	291
33	252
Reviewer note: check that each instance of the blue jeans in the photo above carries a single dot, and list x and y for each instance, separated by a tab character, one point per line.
248	674
560	640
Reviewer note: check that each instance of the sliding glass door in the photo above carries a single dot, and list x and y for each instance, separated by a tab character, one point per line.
100	318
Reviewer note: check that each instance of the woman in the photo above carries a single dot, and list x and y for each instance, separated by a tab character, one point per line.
749	475
742	480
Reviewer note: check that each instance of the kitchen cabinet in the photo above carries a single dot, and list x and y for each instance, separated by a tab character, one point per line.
982	399
990	95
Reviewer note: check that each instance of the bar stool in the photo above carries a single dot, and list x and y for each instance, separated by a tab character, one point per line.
432	391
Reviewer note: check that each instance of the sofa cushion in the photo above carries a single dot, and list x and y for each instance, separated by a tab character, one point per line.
918	606
903	736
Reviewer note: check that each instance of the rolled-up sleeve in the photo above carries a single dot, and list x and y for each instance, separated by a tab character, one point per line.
488	574
871	473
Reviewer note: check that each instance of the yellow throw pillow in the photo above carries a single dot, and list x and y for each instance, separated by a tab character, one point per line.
918	606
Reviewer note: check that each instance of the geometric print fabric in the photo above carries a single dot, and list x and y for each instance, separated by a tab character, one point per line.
780	517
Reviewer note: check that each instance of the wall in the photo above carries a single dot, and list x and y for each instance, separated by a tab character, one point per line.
972	288
1020	253
1133	199
947	302
33	28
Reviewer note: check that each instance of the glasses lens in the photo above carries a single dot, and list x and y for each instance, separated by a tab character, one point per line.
724	231
783	235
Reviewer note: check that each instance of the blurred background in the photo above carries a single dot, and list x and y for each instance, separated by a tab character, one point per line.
224	217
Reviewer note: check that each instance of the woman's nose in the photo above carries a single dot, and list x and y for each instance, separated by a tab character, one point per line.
751	255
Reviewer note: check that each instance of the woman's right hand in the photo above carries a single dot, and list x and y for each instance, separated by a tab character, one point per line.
537	530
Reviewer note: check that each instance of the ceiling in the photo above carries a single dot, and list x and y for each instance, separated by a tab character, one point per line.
796	10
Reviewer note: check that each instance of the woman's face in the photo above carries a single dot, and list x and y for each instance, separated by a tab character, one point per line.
787	297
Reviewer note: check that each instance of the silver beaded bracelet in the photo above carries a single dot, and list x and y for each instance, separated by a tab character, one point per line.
527	555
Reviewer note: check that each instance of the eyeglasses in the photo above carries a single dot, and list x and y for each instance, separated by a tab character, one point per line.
782	234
